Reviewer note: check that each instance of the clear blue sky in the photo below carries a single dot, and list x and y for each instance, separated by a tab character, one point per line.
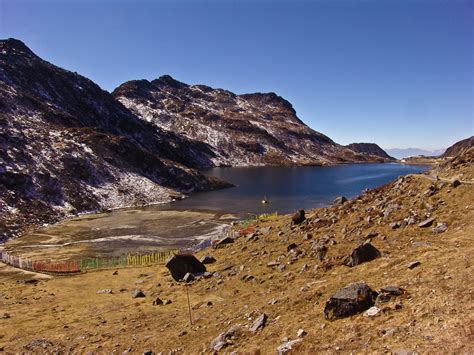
398	73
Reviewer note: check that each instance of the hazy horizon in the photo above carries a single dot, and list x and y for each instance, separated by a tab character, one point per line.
396	74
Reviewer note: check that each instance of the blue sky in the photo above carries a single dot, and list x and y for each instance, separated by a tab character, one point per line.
398	73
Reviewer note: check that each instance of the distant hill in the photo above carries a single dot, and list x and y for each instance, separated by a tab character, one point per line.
401	153
459	147
369	149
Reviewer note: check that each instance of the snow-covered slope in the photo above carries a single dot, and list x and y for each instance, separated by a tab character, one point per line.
67	147
241	130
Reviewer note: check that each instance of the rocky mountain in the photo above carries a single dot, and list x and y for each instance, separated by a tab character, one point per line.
459	148
67	147
241	130
369	149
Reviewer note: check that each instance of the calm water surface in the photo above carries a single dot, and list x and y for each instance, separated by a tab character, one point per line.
203	215
290	188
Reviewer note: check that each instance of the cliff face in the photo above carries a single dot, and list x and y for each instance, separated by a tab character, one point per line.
459	148
67	146
241	130
370	149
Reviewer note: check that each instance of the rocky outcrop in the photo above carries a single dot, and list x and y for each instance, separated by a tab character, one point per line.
67	147
370	149
240	130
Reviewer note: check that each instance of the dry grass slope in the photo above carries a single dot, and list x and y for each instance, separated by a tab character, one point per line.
435	314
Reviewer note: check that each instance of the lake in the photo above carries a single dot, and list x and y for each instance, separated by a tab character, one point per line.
290	188
204	215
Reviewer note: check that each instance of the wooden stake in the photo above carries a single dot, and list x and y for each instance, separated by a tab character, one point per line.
189	306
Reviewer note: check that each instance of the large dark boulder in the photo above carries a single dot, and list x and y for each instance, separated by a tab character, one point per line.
298	217
352	299
180	265
361	254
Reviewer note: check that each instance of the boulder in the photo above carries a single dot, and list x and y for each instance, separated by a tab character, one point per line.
207	259
372	311
259	323
361	254
137	293
298	217
339	200
352	299
179	265
455	183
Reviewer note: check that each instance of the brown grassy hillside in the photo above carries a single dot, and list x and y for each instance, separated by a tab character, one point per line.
435	314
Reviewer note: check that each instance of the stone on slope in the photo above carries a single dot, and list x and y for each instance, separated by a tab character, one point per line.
426	223
207	259
188	277
288	346
352	299
339	200
440	228
298	217
137	293
361	254
180	265
259	323
224	339
221	242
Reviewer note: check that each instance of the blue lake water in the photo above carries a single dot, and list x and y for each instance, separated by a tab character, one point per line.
189	221
290	188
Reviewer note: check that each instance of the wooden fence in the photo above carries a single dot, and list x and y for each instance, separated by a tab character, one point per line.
75	266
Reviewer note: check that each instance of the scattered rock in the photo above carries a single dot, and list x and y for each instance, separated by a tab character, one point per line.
188	277
308	236
392	290
440	228
180	265
259	323
339	200
372	311
38	343
165	302
455	183
387	293
225	339
413	264
291	246
221	242
137	293
301	333
350	300
5	316
247	278
361	254
394	225
207	259
157	301
426	223
105	291
287	346
298	217
115	273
